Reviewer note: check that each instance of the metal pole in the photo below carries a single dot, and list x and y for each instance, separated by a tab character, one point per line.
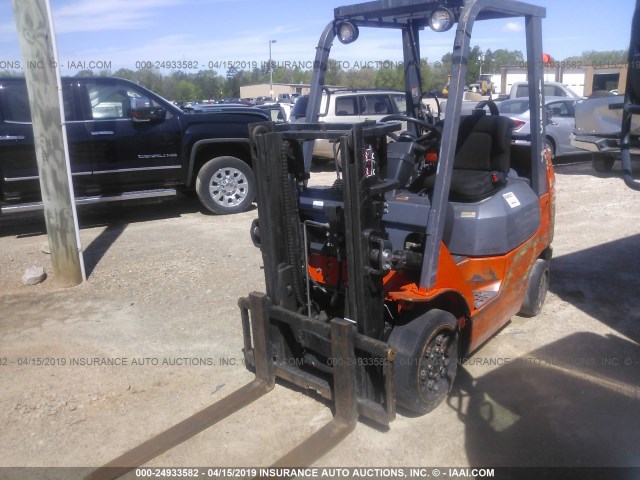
35	30
270	71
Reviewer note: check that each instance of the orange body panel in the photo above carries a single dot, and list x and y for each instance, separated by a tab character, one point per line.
507	275
448	278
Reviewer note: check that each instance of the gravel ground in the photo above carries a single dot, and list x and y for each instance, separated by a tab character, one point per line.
561	389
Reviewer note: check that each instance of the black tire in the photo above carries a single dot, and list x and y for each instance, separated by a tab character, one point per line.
602	163
426	360
226	185
536	289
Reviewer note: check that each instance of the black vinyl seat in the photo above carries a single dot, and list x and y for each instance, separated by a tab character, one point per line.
481	164
482	161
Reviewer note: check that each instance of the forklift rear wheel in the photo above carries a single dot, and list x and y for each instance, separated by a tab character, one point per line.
426	360
536	289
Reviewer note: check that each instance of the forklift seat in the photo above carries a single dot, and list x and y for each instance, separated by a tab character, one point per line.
482	157
482	160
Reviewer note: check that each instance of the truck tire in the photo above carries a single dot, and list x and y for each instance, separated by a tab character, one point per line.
426	360
226	185
536	289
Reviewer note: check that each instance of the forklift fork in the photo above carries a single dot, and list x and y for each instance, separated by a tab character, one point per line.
346	403
343	422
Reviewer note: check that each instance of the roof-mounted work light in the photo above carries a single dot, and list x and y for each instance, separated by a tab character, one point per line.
441	19
347	32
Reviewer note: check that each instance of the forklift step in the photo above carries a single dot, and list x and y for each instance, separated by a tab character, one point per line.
480	297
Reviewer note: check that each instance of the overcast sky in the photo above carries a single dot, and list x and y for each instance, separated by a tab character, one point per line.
210	33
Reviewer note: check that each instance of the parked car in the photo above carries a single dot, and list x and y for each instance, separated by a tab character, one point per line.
598	128
127	142
349	106
214	107
551	89
561	115
263	100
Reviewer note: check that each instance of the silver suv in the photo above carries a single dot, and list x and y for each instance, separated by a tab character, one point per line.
350	106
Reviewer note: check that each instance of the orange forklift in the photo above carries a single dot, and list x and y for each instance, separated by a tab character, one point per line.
427	243
430	239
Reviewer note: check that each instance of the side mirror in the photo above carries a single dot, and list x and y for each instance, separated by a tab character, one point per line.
143	110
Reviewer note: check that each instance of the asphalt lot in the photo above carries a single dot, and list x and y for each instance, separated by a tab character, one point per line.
561	389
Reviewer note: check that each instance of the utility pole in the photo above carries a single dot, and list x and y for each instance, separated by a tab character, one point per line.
35	31
270	71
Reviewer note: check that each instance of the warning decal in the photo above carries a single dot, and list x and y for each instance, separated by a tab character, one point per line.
511	199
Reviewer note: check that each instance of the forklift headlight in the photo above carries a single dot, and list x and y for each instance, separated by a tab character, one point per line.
347	32
441	20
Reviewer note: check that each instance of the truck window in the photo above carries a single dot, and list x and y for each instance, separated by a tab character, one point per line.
523	91
112	101
553	91
16	103
108	101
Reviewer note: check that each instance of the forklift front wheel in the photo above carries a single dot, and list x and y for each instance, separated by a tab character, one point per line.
536	289
426	360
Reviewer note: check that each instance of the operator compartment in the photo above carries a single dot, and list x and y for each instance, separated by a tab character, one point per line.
491	208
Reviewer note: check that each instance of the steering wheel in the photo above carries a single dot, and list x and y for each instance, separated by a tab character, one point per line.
493	108
431	129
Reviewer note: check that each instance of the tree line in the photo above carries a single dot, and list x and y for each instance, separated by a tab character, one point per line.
209	84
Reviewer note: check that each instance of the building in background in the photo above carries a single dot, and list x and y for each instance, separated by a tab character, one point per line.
584	80
262	89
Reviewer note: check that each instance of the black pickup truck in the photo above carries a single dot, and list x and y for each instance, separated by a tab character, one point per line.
126	142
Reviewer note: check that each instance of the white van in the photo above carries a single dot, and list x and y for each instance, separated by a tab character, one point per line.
350	106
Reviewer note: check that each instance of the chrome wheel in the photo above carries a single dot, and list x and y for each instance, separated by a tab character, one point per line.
229	187
225	185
